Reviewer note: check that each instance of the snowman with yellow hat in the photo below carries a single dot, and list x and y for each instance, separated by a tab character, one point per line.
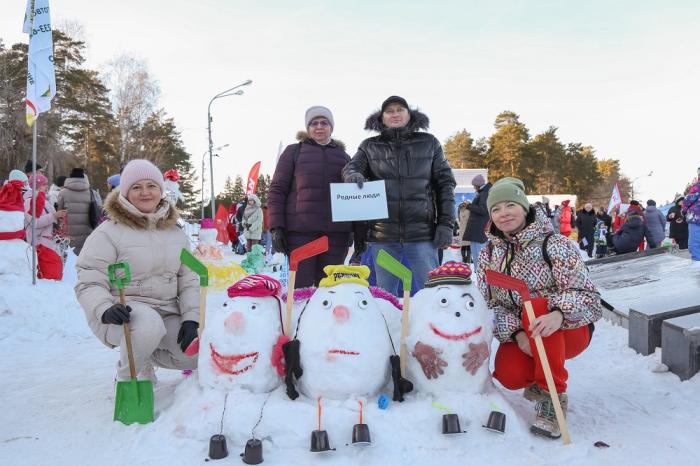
342	340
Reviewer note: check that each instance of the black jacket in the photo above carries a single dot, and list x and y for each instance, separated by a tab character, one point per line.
419	181
585	223
630	234
478	216
678	227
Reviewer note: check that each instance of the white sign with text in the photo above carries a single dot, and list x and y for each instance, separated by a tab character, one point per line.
350	203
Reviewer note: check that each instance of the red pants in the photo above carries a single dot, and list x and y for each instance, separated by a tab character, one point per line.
49	263
515	369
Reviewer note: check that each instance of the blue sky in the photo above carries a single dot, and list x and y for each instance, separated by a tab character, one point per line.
621	76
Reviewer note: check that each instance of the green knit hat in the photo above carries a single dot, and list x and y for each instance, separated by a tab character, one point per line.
507	189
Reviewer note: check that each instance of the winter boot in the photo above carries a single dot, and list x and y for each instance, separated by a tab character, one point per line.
148	372
546	423
534	393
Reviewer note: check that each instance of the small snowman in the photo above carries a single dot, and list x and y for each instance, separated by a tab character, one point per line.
344	343
241	343
450	334
172	186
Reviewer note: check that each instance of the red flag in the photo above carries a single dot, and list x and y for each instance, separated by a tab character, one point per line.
253	179
220	223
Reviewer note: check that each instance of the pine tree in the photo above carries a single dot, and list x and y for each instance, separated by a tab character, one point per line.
542	164
462	151
506	146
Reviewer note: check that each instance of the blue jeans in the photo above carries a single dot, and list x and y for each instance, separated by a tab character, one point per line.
421	256
476	249
694	241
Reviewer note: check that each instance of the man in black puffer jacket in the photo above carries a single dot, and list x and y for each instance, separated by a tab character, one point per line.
419	187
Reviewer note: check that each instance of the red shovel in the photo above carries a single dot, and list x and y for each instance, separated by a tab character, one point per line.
502	280
313	248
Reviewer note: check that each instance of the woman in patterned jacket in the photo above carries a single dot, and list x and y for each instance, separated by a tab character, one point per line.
522	243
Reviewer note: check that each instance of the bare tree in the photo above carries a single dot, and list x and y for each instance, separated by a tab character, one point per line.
134	96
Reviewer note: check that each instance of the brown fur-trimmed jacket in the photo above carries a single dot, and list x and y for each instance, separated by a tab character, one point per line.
151	245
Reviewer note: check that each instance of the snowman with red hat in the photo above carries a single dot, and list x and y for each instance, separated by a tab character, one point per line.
450	333
172	186
241	343
15	252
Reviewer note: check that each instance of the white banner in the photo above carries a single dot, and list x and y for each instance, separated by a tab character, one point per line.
615	198
41	77
350	203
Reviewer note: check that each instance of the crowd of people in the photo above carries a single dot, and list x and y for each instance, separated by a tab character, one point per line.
498	230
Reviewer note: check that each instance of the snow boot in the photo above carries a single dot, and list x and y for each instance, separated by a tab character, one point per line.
534	393
148	372
546	423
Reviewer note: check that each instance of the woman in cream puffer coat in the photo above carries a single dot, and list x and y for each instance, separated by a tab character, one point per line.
162	298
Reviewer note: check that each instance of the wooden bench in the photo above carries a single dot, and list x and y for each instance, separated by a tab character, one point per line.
645	325
680	340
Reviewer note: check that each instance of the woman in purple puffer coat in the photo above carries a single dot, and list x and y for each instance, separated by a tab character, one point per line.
299	199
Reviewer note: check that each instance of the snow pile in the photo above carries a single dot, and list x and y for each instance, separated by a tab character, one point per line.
58	375
16	260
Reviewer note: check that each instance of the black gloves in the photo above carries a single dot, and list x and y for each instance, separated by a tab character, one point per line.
117	314
292	367
401	385
355	178
187	333
443	237
279	241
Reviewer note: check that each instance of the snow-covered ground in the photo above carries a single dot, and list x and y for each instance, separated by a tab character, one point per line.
58	399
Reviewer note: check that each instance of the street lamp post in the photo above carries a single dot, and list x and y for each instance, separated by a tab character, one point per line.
225	93
640	176
215	155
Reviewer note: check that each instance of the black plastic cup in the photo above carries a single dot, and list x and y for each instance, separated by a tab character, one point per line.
319	441
360	434
253	452
496	422
217	447
450	424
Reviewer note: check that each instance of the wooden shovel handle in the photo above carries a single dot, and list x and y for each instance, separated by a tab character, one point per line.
290	303
404	332
202	308
551	388
127	337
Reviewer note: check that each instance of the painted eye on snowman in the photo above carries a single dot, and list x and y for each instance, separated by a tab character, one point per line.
326	303
362	303
444	302
469	303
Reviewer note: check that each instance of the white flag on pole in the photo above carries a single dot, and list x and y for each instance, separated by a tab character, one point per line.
615	199
41	76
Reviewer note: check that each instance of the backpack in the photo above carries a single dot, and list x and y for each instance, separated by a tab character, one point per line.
95	209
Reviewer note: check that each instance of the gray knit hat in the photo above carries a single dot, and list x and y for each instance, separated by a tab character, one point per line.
319	111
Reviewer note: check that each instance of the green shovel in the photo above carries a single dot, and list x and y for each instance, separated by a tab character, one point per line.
396	268
194	264
134	400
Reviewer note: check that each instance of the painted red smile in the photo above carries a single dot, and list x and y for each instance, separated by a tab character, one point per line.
227	364
448	336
